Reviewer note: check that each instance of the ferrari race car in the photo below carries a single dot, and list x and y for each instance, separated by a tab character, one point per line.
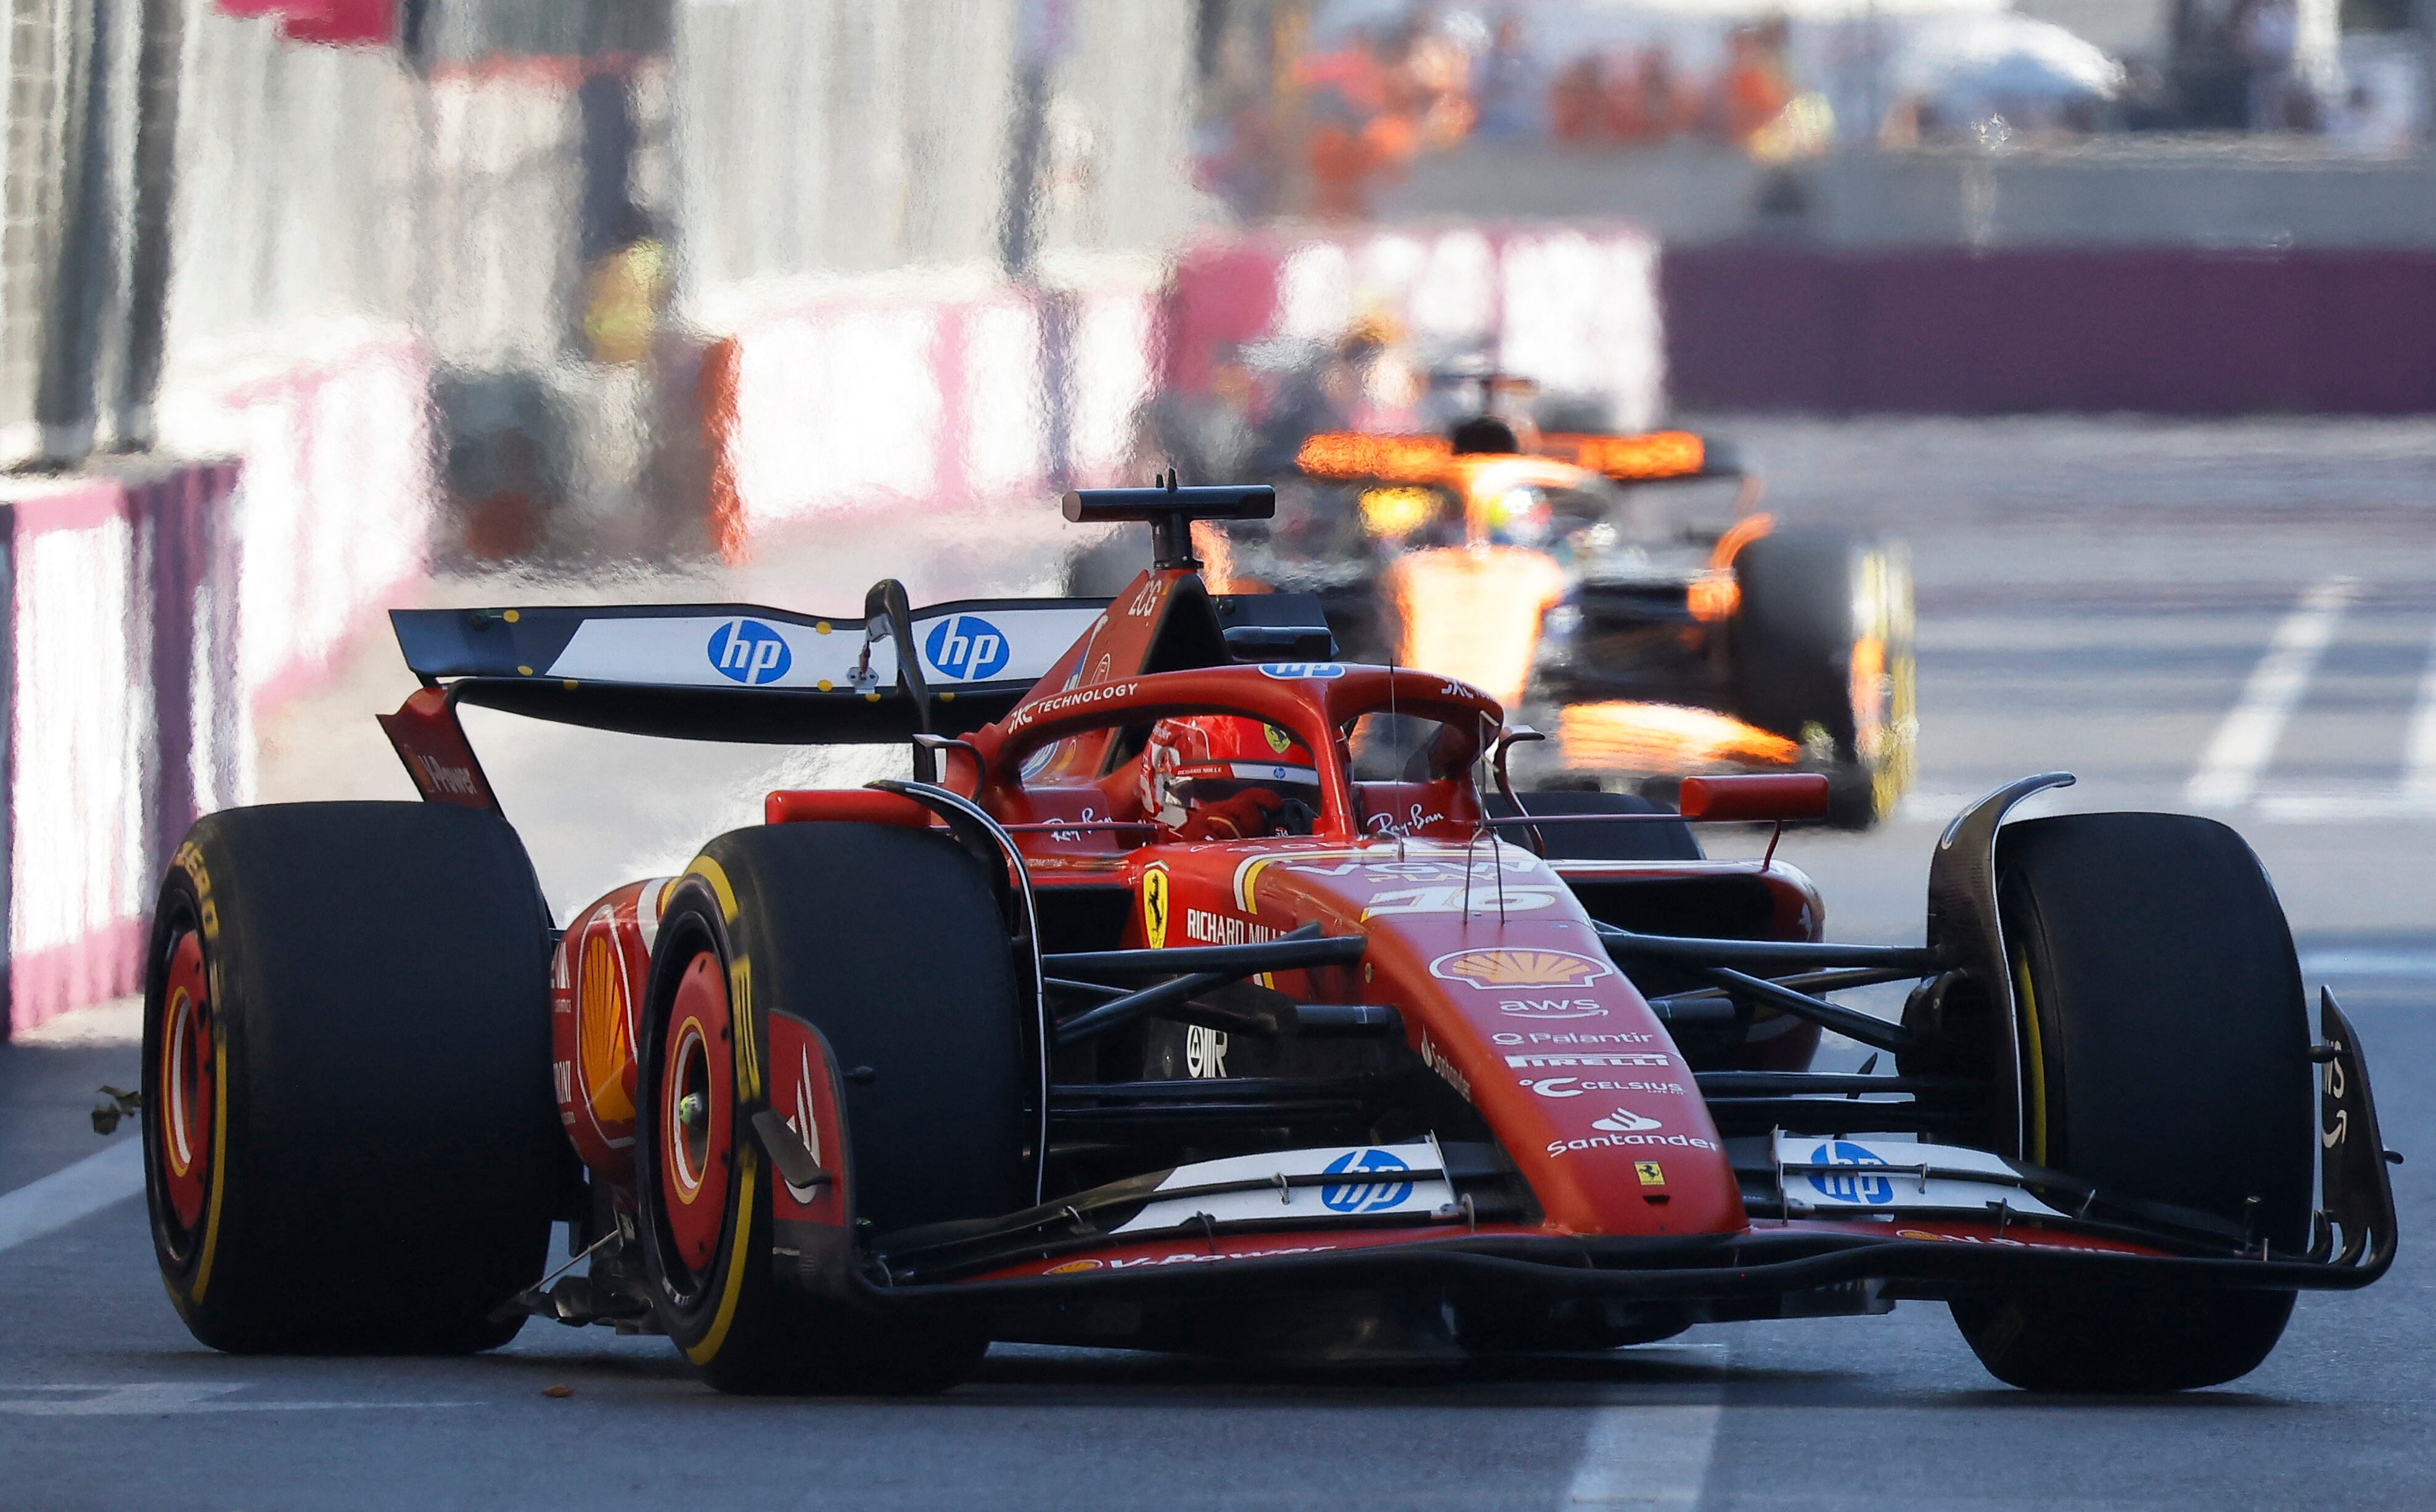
1541	569
1137	1017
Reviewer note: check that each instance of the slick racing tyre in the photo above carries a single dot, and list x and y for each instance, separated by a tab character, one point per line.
350	1144
2165	1054
1822	655
890	942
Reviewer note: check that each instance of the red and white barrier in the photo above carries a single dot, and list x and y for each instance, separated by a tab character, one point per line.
859	402
154	615
120	683
1575	308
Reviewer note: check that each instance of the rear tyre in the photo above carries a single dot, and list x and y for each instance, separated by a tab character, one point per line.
2166	1058
350	1144
1822	646
890	942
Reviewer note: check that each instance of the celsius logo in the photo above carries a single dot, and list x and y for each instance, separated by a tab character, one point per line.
967	648
749	651
1862	1185
1365	1196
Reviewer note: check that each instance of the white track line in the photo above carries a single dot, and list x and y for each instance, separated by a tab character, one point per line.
2402	960
2419	748
1646	1456
156	1399
2245	743
2343	808
63	1196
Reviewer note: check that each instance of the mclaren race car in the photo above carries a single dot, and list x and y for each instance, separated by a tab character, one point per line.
1549	571
1135	1016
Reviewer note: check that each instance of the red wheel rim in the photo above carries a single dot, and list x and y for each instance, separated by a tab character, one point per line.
696	1094
189	1083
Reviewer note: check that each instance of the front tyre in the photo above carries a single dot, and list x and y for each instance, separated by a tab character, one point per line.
349	1140
2164	1054
889	942
1822	655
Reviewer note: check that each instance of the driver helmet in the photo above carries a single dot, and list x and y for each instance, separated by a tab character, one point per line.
1195	762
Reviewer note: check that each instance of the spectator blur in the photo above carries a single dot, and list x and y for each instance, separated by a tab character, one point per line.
1356	91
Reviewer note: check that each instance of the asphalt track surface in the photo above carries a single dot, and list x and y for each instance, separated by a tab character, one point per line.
2237	619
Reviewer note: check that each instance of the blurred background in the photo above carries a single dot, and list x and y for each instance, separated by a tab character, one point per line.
2123	312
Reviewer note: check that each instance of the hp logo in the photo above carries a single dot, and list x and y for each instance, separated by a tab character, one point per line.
967	648
1365	1196
1859	1187
749	651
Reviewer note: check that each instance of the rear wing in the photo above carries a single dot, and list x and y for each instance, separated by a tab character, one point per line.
747	672
1656	456
751	673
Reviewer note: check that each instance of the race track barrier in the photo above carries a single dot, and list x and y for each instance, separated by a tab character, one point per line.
156	612
120	690
1573	307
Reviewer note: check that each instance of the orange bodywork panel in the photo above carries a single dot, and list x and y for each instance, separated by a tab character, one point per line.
1473	613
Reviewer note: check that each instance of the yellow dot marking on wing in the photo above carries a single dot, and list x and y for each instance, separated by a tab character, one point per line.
512	616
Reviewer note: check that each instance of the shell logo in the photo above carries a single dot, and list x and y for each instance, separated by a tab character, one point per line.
1502	970
1074	1267
600	1014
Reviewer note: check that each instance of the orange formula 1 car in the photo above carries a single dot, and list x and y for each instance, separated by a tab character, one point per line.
1136	1016
1546	570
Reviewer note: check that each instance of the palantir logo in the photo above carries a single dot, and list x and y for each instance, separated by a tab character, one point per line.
967	648
749	651
1870	1188
1365	1196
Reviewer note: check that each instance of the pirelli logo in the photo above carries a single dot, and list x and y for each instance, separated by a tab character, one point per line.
1535	1062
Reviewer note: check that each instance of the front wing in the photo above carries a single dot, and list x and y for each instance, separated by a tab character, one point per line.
1880	1221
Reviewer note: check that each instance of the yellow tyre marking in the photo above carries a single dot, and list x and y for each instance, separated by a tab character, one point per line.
220	1089
739	1028
721	1321
711	872
2038	1098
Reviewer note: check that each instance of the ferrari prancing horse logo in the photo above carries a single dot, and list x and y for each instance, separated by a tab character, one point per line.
1154	889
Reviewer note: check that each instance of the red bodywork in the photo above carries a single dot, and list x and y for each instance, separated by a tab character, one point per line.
1503	987
1541	1132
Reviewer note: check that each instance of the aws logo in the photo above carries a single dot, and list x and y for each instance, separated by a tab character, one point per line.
749	651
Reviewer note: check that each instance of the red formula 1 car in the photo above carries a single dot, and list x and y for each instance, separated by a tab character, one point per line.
1139	1018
